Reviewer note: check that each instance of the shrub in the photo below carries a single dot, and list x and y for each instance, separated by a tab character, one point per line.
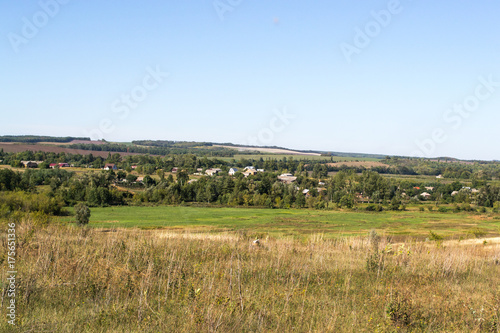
399	311
371	208
434	236
442	209
82	214
478	233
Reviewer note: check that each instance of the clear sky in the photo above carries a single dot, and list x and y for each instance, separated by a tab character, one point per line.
391	77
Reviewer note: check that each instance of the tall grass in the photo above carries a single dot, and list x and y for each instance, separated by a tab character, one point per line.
124	280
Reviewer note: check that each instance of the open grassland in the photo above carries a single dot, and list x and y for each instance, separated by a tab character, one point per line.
299	223
73	279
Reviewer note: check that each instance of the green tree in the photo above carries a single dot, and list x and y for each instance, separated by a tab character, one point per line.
131	178
82	214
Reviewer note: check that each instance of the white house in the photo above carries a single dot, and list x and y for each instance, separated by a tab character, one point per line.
425	195
250	172
232	171
212	171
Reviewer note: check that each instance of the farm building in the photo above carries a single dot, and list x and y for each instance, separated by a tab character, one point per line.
232	171
287	178
250	172
110	166
59	165
213	171
425	195
31	164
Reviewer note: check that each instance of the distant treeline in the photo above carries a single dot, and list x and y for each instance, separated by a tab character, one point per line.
192	159
171	144
344	189
38	138
158	150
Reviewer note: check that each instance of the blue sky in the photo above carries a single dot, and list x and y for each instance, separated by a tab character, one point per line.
391	77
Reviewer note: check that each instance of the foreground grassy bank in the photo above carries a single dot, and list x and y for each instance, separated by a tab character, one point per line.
297	222
127	280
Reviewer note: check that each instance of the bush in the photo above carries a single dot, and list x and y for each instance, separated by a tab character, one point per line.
399	311
82	214
374	208
442	209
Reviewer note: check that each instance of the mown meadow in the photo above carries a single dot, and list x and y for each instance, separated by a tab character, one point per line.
298	223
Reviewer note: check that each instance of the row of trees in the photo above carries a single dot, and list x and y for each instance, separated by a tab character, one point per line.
344	189
319	168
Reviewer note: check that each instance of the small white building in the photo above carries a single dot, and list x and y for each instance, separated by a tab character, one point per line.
425	195
232	171
213	171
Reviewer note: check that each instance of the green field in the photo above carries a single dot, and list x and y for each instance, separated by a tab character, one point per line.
297	223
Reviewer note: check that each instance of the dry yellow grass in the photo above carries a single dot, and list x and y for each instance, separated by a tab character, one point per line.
121	280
